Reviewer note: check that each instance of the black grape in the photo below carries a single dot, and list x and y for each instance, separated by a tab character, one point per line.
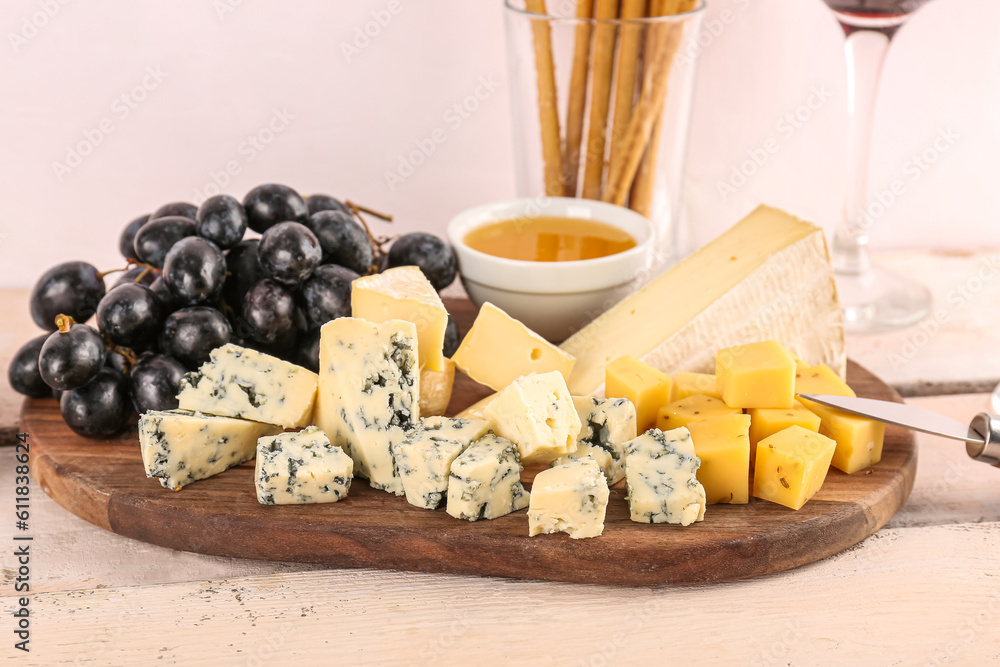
195	270
308	351
222	220
155	380
243	270
126	242
99	408
168	302
130	315
268	313
434	257
72	358
289	253
267	205
190	334
451	337
176	208
155	238
343	240
23	372
327	294
73	288
316	203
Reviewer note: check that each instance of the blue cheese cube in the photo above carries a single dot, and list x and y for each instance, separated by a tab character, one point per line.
301	468
570	498
607	425
485	481
424	458
660	472
246	384
369	382
179	447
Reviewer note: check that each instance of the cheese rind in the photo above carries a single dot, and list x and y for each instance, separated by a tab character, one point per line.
767	277
368	387
607	425
435	389
571	498
661	475
404	293
179	447
246	384
485	481
498	349
302	467
536	413
424	458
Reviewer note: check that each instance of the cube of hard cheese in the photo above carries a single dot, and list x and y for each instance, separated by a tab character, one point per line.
646	387
765	422
498	349
757	375
688	384
435	389
424	458
607	425
791	466
820	380
571	498
299	468
404	293
485	481
246	384
179	447
691	409
536	413
661	475
723	446
859	440
368	387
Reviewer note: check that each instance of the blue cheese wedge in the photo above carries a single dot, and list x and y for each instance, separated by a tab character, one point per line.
660	471
246	384
301	468
179	447
571	498
485	481
607	425
536	413
424	458
369	384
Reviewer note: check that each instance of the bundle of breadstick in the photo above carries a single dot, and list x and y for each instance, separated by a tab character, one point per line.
623	68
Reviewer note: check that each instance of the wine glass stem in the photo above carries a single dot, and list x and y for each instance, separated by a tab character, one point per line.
866	51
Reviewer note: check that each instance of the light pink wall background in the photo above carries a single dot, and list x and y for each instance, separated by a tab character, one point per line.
230	68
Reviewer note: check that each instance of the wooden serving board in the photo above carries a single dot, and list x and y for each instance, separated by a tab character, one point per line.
103	481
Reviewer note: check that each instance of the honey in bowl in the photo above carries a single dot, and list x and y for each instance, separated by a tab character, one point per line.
549	239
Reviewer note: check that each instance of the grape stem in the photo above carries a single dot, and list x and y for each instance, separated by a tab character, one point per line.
64	322
364	209
375	241
125	352
129	263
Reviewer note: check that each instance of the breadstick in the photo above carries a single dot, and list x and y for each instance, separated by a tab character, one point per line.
600	97
548	114
629	42
641	195
577	95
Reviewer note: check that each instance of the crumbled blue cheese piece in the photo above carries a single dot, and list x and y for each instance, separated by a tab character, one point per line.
485	481
570	498
424	458
298	468
243	383
179	447
660	471
369	382
607	425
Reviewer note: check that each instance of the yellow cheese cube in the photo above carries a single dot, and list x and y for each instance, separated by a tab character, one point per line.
723	445
758	375
646	387
404	293
692	409
499	349
765	422
689	384
820	380
859	440
791	466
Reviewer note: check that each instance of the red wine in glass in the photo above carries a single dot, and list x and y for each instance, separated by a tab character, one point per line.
883	16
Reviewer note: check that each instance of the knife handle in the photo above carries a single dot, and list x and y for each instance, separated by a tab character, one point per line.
985	426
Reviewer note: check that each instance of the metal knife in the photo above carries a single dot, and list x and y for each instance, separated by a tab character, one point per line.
981	436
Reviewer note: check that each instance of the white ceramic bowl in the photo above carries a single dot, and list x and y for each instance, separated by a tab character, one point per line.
555	299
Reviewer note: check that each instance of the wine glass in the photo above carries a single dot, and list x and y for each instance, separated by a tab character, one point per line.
873	299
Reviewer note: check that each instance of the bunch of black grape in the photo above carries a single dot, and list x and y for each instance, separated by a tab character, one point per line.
193	283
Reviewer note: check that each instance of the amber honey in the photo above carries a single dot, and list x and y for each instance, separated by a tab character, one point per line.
549	239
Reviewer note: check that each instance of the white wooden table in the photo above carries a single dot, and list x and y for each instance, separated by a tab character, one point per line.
924	590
